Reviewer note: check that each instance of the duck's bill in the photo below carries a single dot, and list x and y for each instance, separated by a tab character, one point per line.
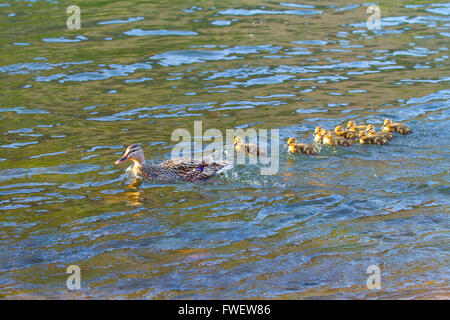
121	160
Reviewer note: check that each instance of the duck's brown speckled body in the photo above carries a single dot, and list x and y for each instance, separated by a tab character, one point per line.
173	169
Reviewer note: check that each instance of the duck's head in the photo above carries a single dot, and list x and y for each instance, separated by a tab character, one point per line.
339	130
387	122
351	125
237	140
135	153
322	133
317	130
292	142
370	130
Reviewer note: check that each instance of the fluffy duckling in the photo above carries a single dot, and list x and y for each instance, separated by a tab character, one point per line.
304	148
365	139
371	132
347	134
351	125
388	126
328	139
249	148
317	134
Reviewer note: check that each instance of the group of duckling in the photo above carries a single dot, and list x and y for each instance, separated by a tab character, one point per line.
196	170
364	134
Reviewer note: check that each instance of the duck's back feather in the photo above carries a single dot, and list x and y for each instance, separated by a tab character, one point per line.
193	169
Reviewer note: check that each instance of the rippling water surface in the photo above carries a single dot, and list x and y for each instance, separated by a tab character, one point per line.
72	100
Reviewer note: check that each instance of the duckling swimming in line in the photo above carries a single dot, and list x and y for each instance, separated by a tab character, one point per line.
388	126
304	148
365	139
316	136
347	134
351	125
328	139
248	148
173	169
371	132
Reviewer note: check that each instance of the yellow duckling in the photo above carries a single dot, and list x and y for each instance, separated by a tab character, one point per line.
365	139
248	148
371	132
304	148
328	139
317	134
388	126
351	125
347	134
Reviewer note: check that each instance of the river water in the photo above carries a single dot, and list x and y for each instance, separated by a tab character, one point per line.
72	100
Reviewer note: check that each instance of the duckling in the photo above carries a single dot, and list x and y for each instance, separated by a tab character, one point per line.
248	148
173	169
347	134
352	124
319	136
295	147
316	136
365	139
327	138
371	132
388	126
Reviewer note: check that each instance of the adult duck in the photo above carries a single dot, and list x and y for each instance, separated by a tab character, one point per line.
186	169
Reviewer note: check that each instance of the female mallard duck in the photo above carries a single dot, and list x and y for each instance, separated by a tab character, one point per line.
352	126
401	128
347	134
173	169
365	139
249	148
304	148
371	132
328	139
